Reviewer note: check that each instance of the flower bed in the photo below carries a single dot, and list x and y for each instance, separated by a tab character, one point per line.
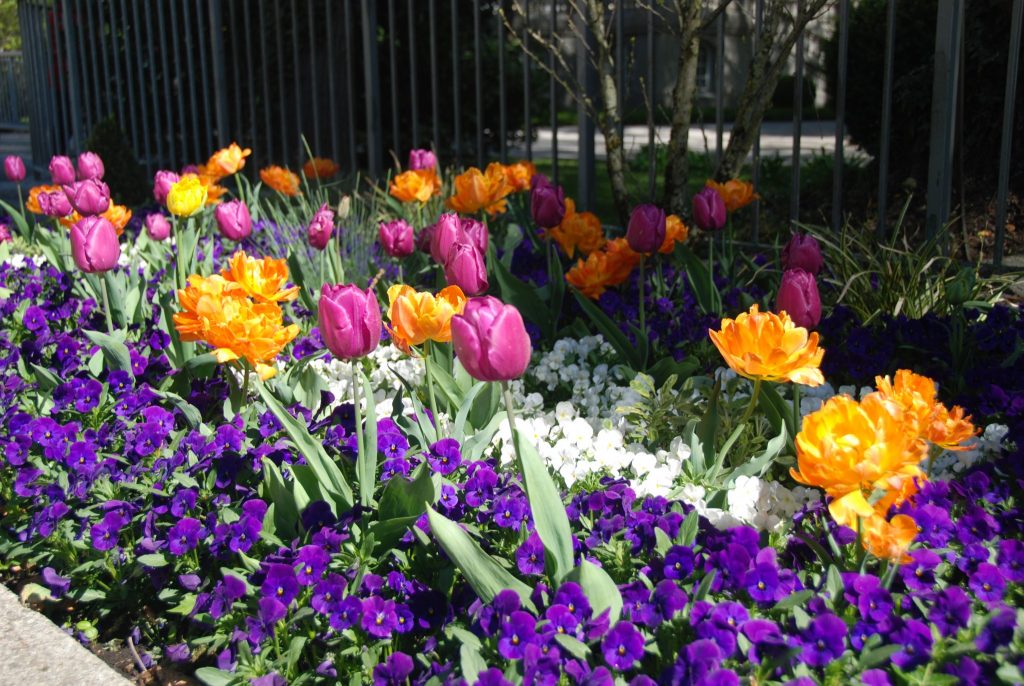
217	459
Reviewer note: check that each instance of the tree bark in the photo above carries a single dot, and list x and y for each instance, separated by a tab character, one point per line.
677	169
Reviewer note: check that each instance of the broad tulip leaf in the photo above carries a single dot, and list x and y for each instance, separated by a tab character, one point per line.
366	461
610	330
408	498
524	296
115	352
599	588
549	516
706	293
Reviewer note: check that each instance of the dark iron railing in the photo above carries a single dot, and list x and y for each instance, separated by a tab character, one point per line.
13	91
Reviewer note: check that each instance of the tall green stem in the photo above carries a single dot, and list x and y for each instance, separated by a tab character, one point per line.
358	409
430	386
711	264
245	382
643	305
106	303
512	423
753	402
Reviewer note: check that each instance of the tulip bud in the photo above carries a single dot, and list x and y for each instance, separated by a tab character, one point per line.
396	237
88	197
233	220
5	234
54	204
422	159
466	268
94	245
344	207
162	182
350	321
490	340
14	168
447	231
187	196
547	202
158	227
425	239
798	297
646	231
476	231
90	166
709	209
321	227
803	252
62	171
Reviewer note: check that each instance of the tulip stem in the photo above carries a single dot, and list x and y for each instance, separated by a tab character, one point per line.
430	387
512	424
711	265
106	304
358	411
643	305
245	382
753	402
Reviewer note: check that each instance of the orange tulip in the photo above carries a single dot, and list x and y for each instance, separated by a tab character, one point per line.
119	216
32	204
917	394
580	230
590	276
419	316
261	278
320	168
888	539
227	161
622	260
675	232
476	191
769	347
417	185
735	193
518	175
282	180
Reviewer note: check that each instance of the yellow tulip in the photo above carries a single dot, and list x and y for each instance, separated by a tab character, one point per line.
187	196
417	317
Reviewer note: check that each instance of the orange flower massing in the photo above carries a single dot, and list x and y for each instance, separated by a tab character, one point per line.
675	232
282	180
226	161
476	191
590	276
735	193
320	168
420	316
944	427
263	279
519	174
416	185
578	231
32	203
763	346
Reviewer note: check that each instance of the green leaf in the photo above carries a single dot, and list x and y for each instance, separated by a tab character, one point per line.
705	586
45	379
211	676
19	219
115	352
668	366
778	410
366	461
286	511
574	646
189	410
471	662
302	278
689	528
610	330
154	560
459	426
599	589
834	584
484	574
757	466
524	297
549	516
707	295
405	498
794	599
475	446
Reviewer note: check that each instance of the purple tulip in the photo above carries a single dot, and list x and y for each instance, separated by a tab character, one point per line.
397	238
547	202
465	267
476	230
14	168
350	321
157	227
646	231
233	220
162	182
447	231
90	166
54	204
88	197
422	159
94	245
709	209
798	297
803	252
425	238
321	227
62	171
490	340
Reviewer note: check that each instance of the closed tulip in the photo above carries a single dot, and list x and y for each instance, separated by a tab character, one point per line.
465	267
803	252
54	204
476	231
233	220
798	297
187	196
5	234
62	171
90	166
547	202
422	159
88	197
646	231
447	231
157	227
14	168
94	245
397	238
162	182
321	227
490	340
425	238
350	321
709	209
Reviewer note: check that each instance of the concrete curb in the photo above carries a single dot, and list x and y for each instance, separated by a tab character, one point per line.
33	650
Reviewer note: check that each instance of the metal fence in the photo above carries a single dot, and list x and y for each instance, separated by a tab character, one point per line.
358	80
13	91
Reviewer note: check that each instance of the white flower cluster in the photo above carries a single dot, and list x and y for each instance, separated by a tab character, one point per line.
751	501
338	377
19	260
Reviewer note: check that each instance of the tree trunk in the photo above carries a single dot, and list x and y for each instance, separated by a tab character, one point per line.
677	169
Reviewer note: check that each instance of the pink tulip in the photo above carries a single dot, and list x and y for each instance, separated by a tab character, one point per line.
798	297
162	182
5	233
425	238
54	204
396	237
62	171
422	159
157	227
466	268
349	319
447	231
88	197
490	340
477	232
90	166
14	168
321	227
646	231
803	252
233	220
94	245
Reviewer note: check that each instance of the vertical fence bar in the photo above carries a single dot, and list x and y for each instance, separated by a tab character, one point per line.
160	147
435	97
281	93
584	73
240	96
210	110
456	86
314	59
948	30
414	90
165	77
839	159
218	55
756	161
299	132
372	93
182	128
108	91
74	79
719	87
652	155
47	111
527	126
883	146
1005	149
115	28
553	92
147	151
798	100
85	95
349	88
620	61
268	138
478	74
92	65
332	95
393	58
502	85
63	96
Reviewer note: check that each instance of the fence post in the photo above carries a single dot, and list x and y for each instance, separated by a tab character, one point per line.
948	30
1012	65
585	199
883	153
839	161
371	71
219	69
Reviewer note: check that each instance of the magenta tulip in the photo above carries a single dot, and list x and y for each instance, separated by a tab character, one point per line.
476	230
14	168
54	204
162	182
422	159
397	238
803	252
62	171
94	244
425	238
5	233
490	340
709	209
321	227
233	220
447	231
646	230
547	202
88	197
798	297
90	166
466	268
157	227
350	321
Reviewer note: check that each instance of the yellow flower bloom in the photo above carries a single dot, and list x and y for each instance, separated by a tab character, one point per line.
416	185
284	181
735	193
917	394
769	347
476	191
227	161
186	197
417	316
263	279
